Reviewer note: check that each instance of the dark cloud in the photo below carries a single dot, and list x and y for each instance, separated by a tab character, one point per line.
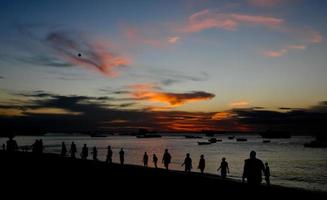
84	113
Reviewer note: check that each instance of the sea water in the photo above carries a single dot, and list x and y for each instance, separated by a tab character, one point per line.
291	164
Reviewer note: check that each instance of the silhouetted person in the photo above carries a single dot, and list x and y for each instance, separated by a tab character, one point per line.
155	160
3	147
121	156
95	153
224	169
187	163
109	155
202	164
63	149
267	174
166	159
145	159
85	152
12	145
73	150
253	169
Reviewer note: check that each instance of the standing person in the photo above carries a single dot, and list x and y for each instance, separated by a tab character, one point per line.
95	153
267	174
187	163
253	169
73	150
85	152
12	145
122	156
145	159
224	169
166	159
109	155
63	149
202	164
155	160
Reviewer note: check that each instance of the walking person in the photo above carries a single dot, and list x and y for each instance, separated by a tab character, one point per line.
202	164
155	160
224	169
187	163
109	155
121	156
145	159
166	159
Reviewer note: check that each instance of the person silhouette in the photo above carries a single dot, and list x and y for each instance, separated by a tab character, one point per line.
3	147
224	169
145	159
73	150
95	153
155	160
202	164
267	174
187	163
166	159
253	169
63	149
109	155
12	144
121	156
85	152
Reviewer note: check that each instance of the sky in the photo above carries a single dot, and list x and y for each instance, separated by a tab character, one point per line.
173	65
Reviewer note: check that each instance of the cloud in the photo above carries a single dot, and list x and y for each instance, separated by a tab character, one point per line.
60	48
283	51
173	39
46	112
149	92
79	51
208	19
239	104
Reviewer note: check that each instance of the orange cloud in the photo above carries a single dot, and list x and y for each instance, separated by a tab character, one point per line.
149	92
222	115
239	104
207	19
82	52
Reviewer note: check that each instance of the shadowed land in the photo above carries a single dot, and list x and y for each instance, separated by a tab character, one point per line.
61	174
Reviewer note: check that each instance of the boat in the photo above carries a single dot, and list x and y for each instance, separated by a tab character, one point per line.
231	137
204	143
212	140
192	137
241	139
266	141
148	136
273	134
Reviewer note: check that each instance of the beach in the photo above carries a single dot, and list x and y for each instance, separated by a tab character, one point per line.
51	172
291	164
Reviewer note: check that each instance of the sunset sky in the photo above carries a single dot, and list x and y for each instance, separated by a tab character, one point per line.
172	65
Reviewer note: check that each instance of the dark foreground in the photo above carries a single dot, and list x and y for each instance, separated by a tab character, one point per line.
62	176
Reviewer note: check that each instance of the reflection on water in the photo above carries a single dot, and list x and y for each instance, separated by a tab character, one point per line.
291	164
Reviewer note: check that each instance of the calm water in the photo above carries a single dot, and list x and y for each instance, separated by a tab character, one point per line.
291	164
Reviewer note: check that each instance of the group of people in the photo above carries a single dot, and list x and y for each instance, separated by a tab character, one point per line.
253	167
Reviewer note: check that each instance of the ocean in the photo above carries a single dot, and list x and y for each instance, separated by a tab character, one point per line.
291	164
